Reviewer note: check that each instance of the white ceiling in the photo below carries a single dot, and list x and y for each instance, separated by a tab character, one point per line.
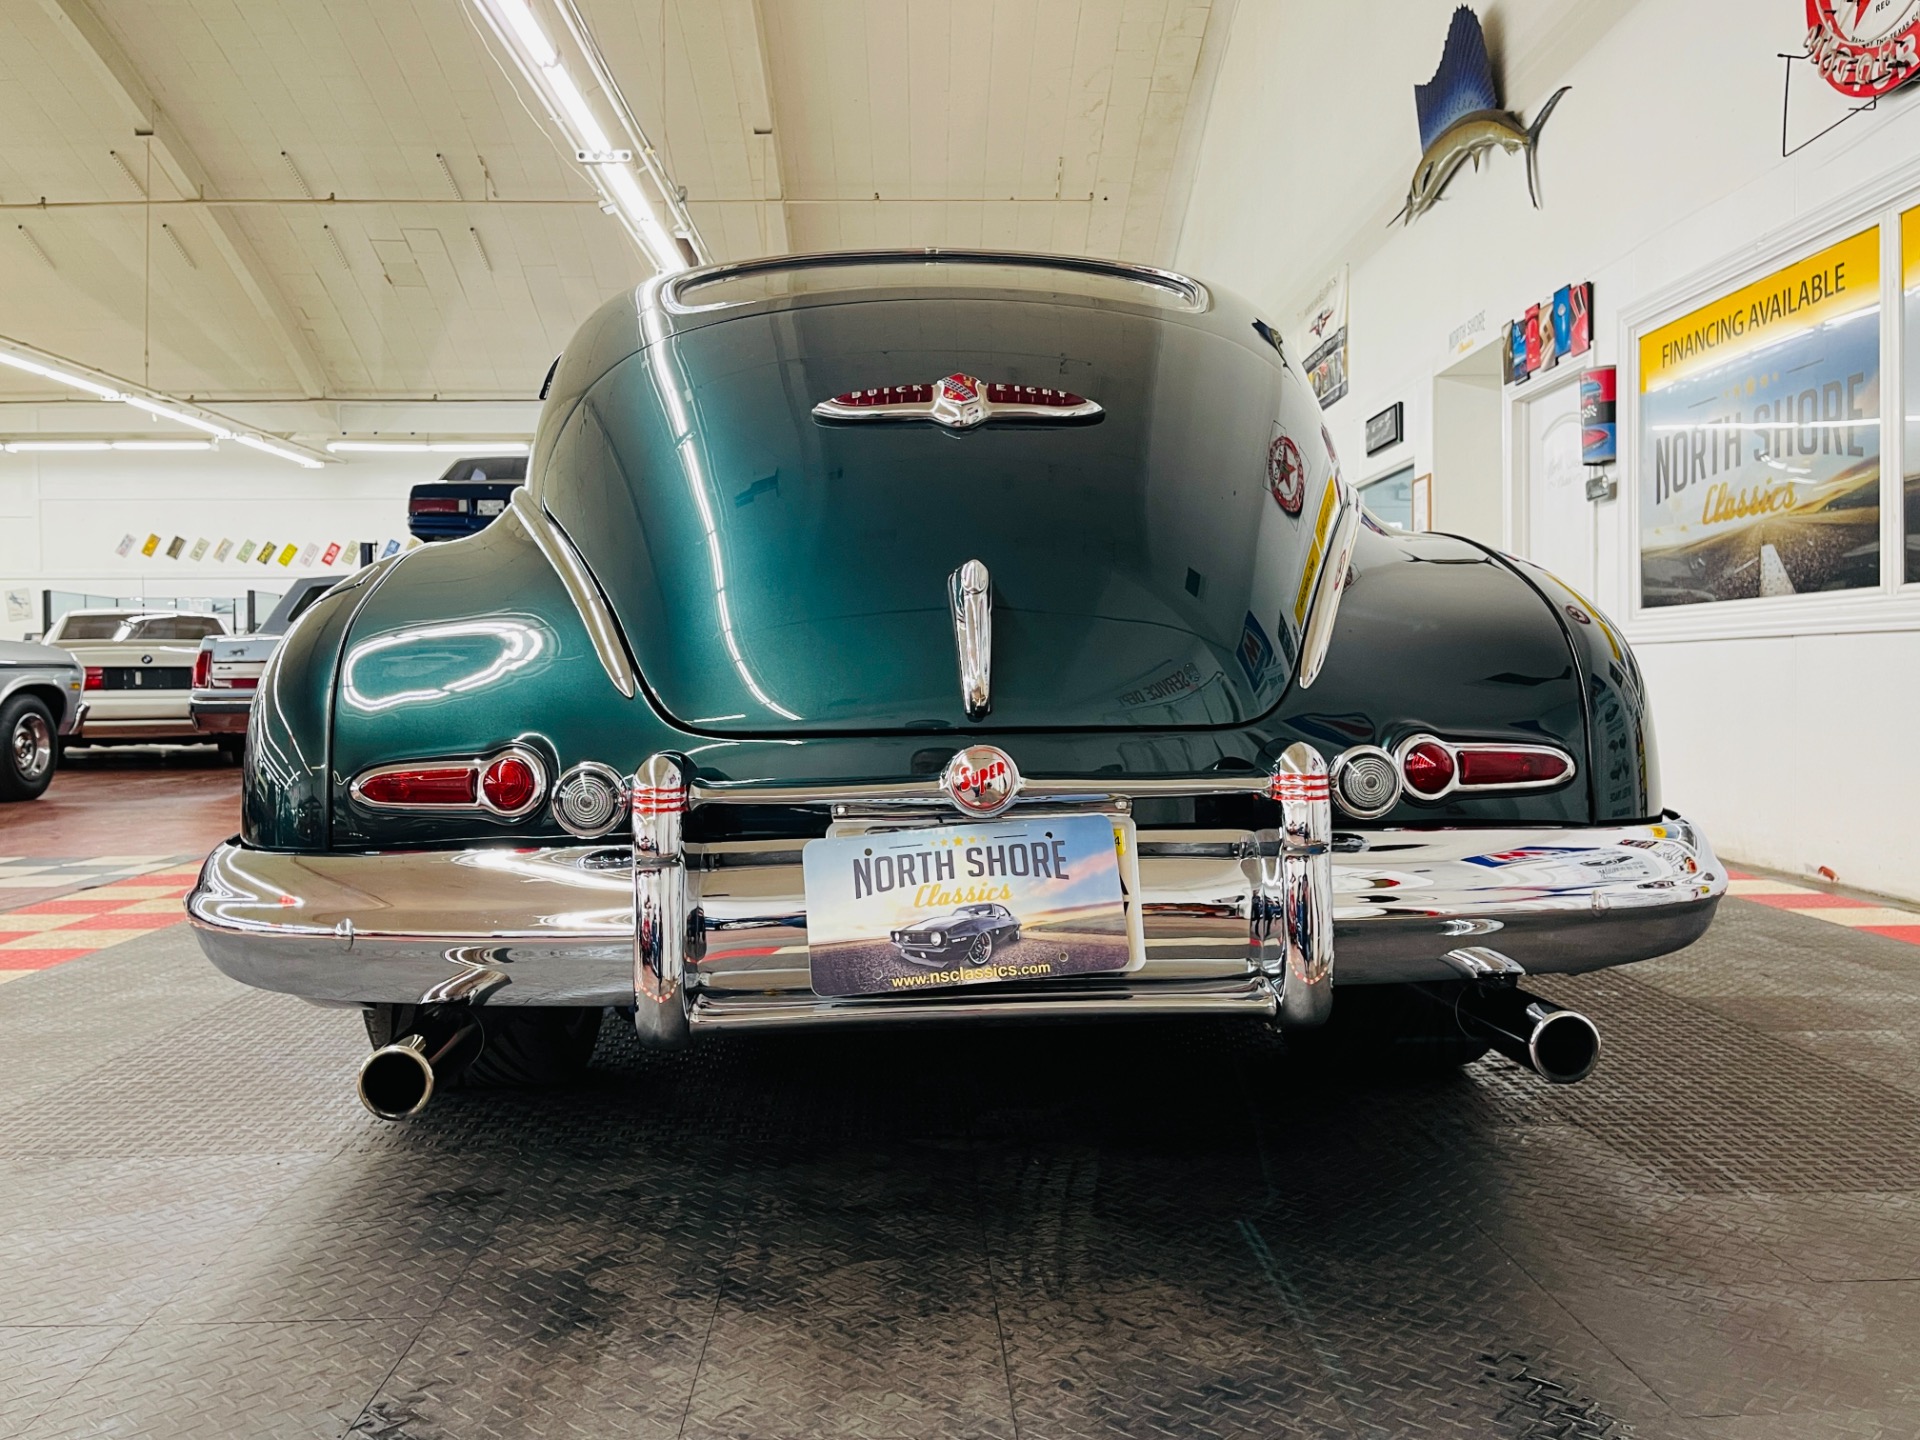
792	124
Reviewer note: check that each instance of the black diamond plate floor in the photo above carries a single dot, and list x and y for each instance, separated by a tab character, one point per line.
1051	1233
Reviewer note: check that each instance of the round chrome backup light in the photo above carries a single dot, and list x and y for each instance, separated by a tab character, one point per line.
1366	782
590	800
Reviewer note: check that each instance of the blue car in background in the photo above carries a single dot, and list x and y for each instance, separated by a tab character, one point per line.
468	498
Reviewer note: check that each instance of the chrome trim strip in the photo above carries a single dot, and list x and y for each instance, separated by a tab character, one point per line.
602	629
1196	295
1115	1001
1457	748
1330	585
476	765
927	794
970	599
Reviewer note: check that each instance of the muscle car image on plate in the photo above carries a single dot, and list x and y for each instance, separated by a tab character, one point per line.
821	548
973	932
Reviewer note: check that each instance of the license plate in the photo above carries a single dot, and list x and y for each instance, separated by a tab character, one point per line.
894	912
489	507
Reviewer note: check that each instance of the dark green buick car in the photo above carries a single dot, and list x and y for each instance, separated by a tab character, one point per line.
847	591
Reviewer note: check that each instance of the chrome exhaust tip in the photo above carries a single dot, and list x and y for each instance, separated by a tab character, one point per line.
1559	1045
396	1081
1564	1046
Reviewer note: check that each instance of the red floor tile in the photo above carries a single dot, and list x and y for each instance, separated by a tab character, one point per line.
1908	933
73	905
1815	900
38	959
120	920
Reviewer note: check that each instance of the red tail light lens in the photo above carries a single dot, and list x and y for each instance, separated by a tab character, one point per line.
435	505
429	785
510	784
202	669
1427	768
1492	766
242	682
96	677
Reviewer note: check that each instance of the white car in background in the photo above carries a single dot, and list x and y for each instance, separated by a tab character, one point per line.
227	668
139	674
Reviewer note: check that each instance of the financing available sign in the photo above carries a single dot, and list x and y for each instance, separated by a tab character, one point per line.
895	912
1760	436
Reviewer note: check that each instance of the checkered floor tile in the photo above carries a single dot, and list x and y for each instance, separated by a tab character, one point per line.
51	931
30	872
1888	920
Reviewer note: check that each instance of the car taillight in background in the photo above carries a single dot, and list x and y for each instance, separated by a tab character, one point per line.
202	669
436	505
96	677
506	785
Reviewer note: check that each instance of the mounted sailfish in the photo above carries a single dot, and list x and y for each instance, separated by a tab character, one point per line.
1461	119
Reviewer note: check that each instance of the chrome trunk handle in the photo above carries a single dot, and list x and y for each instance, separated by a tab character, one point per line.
970	598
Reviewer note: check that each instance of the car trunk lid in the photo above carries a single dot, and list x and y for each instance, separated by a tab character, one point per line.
775	574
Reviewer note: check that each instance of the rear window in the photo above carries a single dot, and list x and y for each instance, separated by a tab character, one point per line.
87	627
778	279
175	627
488	468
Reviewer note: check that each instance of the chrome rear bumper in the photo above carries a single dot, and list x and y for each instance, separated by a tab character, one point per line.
556	926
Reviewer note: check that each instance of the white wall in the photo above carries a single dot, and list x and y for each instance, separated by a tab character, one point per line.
1790	744
63	515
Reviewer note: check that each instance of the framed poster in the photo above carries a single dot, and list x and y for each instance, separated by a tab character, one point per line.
1323	338
1759	436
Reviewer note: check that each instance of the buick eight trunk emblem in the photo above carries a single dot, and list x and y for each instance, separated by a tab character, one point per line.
960	402
981	780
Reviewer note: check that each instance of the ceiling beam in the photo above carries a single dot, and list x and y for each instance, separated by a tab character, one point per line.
116	72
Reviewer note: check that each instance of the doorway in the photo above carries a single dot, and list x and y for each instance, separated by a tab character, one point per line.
1553	519
1467	448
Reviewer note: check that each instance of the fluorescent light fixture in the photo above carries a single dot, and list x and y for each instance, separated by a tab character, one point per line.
21	447
179	417
59	377
540	62
427	447
254	442
106	387
533	40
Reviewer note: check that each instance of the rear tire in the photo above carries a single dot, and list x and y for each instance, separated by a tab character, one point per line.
1389	1030
29	749
530	1048
233	749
